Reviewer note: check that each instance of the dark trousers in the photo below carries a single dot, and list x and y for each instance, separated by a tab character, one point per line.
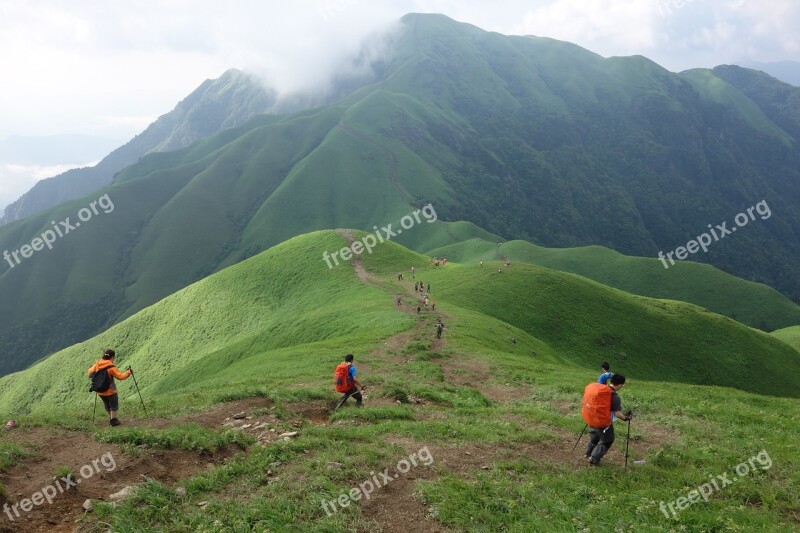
355	393
600	440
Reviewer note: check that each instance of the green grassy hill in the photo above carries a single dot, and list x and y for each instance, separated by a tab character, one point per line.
497	420
750	303
790	336
286	302
504	136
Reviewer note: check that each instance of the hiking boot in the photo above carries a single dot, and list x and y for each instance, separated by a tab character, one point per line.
114	422
359	404
593	461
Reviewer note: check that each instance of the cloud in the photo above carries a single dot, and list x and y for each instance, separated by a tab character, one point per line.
623	25
68	64
678	34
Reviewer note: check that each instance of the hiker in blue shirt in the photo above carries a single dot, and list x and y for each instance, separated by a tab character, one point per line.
606	375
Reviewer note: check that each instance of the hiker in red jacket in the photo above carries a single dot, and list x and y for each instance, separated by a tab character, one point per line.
601	404
109	395
346	382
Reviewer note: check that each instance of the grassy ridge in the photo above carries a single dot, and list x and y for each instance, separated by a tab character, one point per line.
587	323
286	302
750	303
790	336
275	326
286	297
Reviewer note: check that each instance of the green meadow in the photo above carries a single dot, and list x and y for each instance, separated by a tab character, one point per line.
498	417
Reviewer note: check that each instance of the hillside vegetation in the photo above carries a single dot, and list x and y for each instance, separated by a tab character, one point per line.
493	421
286	302
754	304
505	136
790	336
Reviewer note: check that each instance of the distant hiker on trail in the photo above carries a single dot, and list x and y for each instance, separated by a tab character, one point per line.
416	286
433	306
399	300
481	262
600	402
346	382
439	329
412	273
419	309
399	276
606	375
102	374
429	287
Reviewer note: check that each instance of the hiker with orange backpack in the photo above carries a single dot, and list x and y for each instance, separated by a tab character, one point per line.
346	382
600	404
102	374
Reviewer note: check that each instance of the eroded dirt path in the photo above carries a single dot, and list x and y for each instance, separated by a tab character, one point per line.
391	508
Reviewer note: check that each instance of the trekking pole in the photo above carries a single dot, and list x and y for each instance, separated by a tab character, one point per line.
580	437
341	402
138	391
627	441
95	408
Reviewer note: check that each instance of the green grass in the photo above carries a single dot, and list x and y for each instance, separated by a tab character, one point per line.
261	330
10	454
790	336
189	437
753	304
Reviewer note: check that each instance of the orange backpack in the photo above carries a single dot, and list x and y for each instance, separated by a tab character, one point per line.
596	410
342	379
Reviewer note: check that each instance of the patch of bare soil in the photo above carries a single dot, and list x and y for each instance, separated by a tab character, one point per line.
99	470
102	469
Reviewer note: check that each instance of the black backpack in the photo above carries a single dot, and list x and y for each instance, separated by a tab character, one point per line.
101	381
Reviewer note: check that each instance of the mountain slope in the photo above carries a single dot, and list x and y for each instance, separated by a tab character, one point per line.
750	303
244	316
488	427
779	101
215	105
790	336
524	137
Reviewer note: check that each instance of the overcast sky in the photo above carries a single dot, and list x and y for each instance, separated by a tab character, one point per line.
112	67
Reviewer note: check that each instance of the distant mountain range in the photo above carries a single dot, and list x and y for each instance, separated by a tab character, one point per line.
786	71
515	137
214	106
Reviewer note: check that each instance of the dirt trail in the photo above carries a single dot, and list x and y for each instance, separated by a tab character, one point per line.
392	508
106	467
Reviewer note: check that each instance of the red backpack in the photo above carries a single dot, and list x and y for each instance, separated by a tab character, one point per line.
596	409
342	379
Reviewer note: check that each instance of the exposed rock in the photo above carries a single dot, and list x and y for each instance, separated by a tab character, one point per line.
88	506
239	416
121	495
180	491
289	434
